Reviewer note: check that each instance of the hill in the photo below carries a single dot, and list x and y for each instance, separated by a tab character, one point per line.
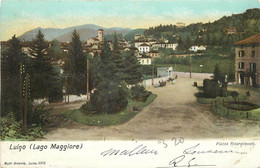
131	34
224	31
86	31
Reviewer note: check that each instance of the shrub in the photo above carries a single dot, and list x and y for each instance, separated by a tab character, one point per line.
213	89
86	108
111	100
11	129
139	93
37	114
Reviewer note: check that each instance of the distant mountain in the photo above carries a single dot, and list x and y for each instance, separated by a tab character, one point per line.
86	31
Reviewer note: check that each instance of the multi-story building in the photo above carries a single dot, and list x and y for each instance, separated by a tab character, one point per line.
145	60
144	48
247	61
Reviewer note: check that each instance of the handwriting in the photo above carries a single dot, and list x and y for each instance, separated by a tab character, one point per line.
162	141
175	162
179	162
182	161
178	141
192	151
139	150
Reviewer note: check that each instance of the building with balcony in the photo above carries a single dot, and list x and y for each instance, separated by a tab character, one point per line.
247	61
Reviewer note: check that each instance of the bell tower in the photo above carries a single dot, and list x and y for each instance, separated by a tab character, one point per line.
100	35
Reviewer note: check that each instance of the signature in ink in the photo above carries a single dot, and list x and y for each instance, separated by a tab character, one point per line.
179	162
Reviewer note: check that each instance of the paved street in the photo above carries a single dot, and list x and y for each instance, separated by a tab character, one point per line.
175	112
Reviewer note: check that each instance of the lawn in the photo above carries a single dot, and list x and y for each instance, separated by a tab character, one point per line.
199	64
221	110
254	92
108	119
202	100
218	107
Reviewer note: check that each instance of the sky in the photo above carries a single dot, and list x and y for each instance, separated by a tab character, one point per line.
17	17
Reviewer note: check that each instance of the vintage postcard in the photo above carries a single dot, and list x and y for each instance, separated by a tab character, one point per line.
135	83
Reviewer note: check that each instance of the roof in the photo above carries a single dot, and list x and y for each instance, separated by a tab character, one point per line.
144	56
255	39
133	48
144	44
153	52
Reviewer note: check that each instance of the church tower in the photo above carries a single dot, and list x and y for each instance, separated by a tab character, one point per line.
100	35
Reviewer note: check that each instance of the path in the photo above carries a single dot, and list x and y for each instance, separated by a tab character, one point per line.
174	113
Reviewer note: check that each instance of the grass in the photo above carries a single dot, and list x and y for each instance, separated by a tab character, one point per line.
208	62
202	100
108	119
218	107
255	92
221	110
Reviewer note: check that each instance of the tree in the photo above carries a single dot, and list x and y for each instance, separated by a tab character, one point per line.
188	42
132	70
217	74
231	73
75	67
55	51
180	44
10	72
109	96
43	75
95	72
117	58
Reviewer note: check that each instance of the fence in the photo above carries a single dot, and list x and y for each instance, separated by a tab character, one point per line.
148	82
193	75
219	107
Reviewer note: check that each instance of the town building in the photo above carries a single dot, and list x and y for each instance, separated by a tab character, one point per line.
180	24
158	45
65	46
144	48
247	61
230	30
194	48
154	54
202	48
98	39
93	40
138	36
197	48
145	60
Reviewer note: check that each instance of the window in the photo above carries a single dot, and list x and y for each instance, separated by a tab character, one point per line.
142	61
253	54
147	61
252	67
241	53
241	65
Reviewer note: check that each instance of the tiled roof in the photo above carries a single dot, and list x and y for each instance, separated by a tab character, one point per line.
255	39
144	44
